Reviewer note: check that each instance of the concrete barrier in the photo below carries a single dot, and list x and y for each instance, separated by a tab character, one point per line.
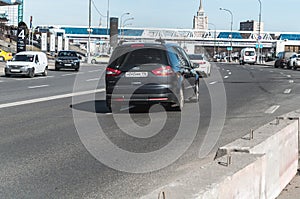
263	163
280	144
244	178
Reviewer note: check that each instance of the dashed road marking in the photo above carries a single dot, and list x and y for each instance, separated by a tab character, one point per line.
291	81
40	86
90	80
229	73
44	99
287	91
212	83
92	71
272	109
226	77
289	76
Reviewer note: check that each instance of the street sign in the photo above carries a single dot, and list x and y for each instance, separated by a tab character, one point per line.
259	37
229	48
22	37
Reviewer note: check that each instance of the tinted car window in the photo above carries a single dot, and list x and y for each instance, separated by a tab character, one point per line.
140	57
249	53
67	54
25	58
196	57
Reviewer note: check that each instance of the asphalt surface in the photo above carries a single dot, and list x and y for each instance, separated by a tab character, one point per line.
42	154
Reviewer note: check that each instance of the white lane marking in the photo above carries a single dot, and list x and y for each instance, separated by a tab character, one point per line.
69	74
229	73
44	99
35	78
272	109
40	86
90	80
212	83
282	73
228	70
271	71
95	71
287	91
289	76
291	81
226	77
1	81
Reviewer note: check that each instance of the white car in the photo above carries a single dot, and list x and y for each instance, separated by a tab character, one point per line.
27	63
202	66
294	61
102	58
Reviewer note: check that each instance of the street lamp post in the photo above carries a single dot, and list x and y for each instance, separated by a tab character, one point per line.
107	22
89	30
132	18
121	21
215	34
230	30
259	32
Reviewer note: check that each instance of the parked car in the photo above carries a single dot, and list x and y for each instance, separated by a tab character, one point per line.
282	59
5	56
202	66
294	62
27	63
145	73
102	58
248	56
67	59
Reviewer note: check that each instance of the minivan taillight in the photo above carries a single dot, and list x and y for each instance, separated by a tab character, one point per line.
110	72
163	71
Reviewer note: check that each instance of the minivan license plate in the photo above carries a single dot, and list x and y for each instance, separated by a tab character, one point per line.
136	74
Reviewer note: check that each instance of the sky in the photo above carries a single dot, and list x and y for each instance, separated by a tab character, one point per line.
276	14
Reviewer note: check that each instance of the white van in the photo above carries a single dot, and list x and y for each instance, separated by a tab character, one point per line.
27	63
248	56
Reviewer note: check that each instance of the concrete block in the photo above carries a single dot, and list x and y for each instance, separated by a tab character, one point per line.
280	144
243	179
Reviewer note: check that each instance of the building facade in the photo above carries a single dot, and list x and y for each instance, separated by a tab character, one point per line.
11	13
201	20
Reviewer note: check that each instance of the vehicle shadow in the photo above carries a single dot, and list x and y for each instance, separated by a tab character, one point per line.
99	106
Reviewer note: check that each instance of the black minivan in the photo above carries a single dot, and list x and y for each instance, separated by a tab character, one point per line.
147	73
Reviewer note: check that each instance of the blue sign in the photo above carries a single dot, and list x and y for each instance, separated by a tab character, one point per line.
259	37
259	46
229	48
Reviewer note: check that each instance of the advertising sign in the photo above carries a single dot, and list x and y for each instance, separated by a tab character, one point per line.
44	42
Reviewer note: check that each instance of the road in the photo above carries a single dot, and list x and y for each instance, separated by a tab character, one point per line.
42	154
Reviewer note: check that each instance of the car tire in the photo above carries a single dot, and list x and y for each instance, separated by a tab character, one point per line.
93	61
2	58
180	101
195	98
7	75
45	73
31	73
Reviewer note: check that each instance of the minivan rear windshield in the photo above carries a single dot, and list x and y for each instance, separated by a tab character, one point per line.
25	58
140	57
249	53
